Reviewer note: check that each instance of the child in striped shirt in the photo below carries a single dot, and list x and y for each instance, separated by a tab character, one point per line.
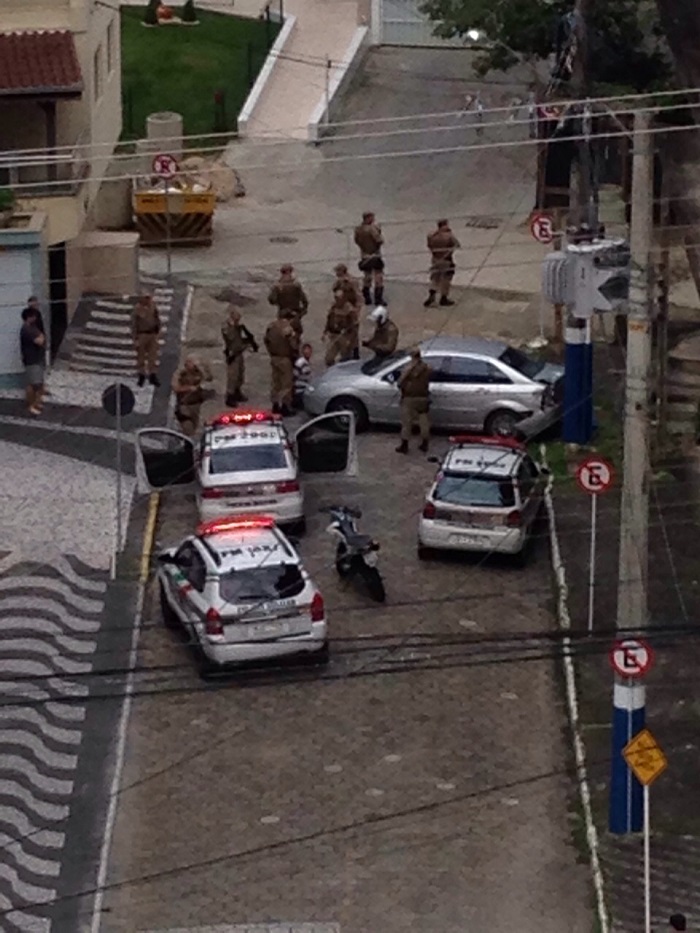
302	374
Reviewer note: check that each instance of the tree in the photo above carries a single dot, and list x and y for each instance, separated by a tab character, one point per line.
188	14
150	17
624	40
634	45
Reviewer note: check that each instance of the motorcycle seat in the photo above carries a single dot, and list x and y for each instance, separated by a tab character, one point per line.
358	541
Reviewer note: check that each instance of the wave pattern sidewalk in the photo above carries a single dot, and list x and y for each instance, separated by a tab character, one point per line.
50	614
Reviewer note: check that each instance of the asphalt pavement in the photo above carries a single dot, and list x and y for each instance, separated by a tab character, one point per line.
421	782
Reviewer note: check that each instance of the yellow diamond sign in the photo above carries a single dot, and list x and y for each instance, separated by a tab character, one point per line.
645	757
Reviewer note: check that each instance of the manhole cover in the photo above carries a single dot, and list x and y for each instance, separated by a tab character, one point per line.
483	223
283	239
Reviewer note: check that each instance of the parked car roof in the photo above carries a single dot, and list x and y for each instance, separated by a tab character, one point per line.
463	345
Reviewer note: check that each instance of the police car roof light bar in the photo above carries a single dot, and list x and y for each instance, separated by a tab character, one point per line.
244	417
218	526
488	440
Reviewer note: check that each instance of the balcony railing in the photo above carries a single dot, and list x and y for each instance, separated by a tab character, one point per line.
42	173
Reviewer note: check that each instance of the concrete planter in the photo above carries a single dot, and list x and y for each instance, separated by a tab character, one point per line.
5	218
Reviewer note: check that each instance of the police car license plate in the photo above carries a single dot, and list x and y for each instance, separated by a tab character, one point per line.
475	540
276	629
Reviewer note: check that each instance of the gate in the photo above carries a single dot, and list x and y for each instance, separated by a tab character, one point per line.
402	23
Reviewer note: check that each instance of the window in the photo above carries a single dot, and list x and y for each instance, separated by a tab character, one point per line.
521	363
463	369
261	583
192	566
111	34
97	73
248	459
526	482
475	490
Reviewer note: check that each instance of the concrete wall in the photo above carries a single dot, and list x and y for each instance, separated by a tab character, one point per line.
109	262
24	242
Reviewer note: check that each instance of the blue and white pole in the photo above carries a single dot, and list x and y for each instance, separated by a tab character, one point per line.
626	812
577	427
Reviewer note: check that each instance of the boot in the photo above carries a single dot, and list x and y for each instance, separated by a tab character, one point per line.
240	397
367	294
379	295
446	302
231	400
402	448
140	381
276	409
356	353
430	300
286	411
423	447
154	380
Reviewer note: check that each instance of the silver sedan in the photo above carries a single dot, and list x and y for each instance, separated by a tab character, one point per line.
476	385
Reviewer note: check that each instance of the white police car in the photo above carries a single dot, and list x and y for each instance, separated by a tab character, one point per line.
486	496
245	461
239	589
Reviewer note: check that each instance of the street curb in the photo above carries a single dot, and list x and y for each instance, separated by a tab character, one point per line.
338	82
149	534
564	623
266	72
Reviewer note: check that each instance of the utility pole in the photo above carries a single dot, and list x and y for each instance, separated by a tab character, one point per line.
629	700
632	610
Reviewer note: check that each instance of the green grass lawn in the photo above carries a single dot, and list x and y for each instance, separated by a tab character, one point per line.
184	68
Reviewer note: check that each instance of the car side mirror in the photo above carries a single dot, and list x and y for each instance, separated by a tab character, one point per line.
545	471
166	559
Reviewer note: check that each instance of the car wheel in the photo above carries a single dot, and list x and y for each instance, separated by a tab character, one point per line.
323	655
424	553
297	528
521	559
170	619
502	421
346	403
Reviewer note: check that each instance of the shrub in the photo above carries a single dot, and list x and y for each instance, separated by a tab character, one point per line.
189	14
7	199
151	14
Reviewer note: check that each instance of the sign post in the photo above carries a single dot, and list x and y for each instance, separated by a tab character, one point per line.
594	476
631	659
165	166
646	759
118	400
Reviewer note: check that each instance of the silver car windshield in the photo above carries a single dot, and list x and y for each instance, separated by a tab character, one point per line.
283	581
521	363
475	490
247	459
370	367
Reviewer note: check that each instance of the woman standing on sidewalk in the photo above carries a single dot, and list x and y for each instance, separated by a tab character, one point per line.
32	344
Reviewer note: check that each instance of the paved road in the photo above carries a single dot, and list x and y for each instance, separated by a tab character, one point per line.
416	784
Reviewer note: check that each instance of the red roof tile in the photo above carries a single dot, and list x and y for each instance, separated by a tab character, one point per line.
38	63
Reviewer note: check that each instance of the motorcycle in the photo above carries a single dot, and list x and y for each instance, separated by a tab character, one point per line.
356	554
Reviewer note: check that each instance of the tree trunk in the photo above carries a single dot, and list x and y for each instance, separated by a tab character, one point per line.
681	22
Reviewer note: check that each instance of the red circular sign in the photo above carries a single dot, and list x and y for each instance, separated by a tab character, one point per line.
542	228
595	475
165	165
631	657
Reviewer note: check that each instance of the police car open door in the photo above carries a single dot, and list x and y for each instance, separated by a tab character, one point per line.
164	459
327	444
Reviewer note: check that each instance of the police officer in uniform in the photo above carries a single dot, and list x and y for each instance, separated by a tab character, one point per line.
386	334
369	240
442	243
290	298
237	339
145	327
339	331
347	283
282	344
414	385
190	394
